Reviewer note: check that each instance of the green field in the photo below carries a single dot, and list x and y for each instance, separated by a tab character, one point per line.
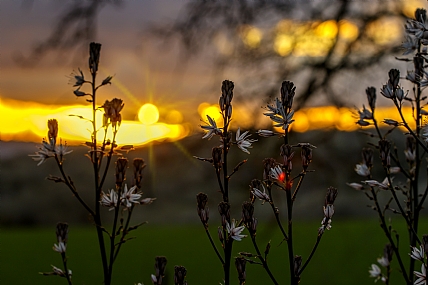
344	255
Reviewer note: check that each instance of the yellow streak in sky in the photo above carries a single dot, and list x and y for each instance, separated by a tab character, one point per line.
26	121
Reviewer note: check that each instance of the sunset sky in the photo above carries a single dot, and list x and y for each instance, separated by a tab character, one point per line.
145	69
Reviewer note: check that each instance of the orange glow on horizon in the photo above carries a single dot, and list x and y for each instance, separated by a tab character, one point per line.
26	121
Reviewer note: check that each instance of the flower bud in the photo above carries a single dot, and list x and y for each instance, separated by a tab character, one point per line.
121	165
217	160
391	122
79	93
62	232
387	90
410	151
94	56
160	264
399	94
53	131
421	15
266	133
203	210
384	149
268	164
425	244
240	267
388	252
139	165
220	234
306	154
288	90
297	265
255	183
394	77
107	80
331	195
371	97
179	275
224	210
247	217
227	91
79	79
367	154
286	151
419	66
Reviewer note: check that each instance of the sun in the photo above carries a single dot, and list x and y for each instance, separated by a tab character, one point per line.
148	114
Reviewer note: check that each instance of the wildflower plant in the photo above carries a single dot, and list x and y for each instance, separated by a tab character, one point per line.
120	199
405	194
275	175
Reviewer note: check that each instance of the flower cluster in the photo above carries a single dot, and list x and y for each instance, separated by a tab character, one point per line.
50	148
225	102
128	197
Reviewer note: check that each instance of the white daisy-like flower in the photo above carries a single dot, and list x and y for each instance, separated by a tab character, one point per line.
375	271
211	128
422	276
383	261
394	170
356	186
266	133
365	114
242	140
61	150
410	45
278	116
154	279
60	247
418	253
129	197
109	200
374	183
415	28
41	156
60	272
147	201
235	232
362	169
263	196
277	173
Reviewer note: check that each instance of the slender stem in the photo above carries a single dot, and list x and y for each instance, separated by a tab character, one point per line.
276	213
311	254
113	234
290	232
264	262
124	232
213	245
97	218
388	235
72	188
109	157
64	262
227	258
299	184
